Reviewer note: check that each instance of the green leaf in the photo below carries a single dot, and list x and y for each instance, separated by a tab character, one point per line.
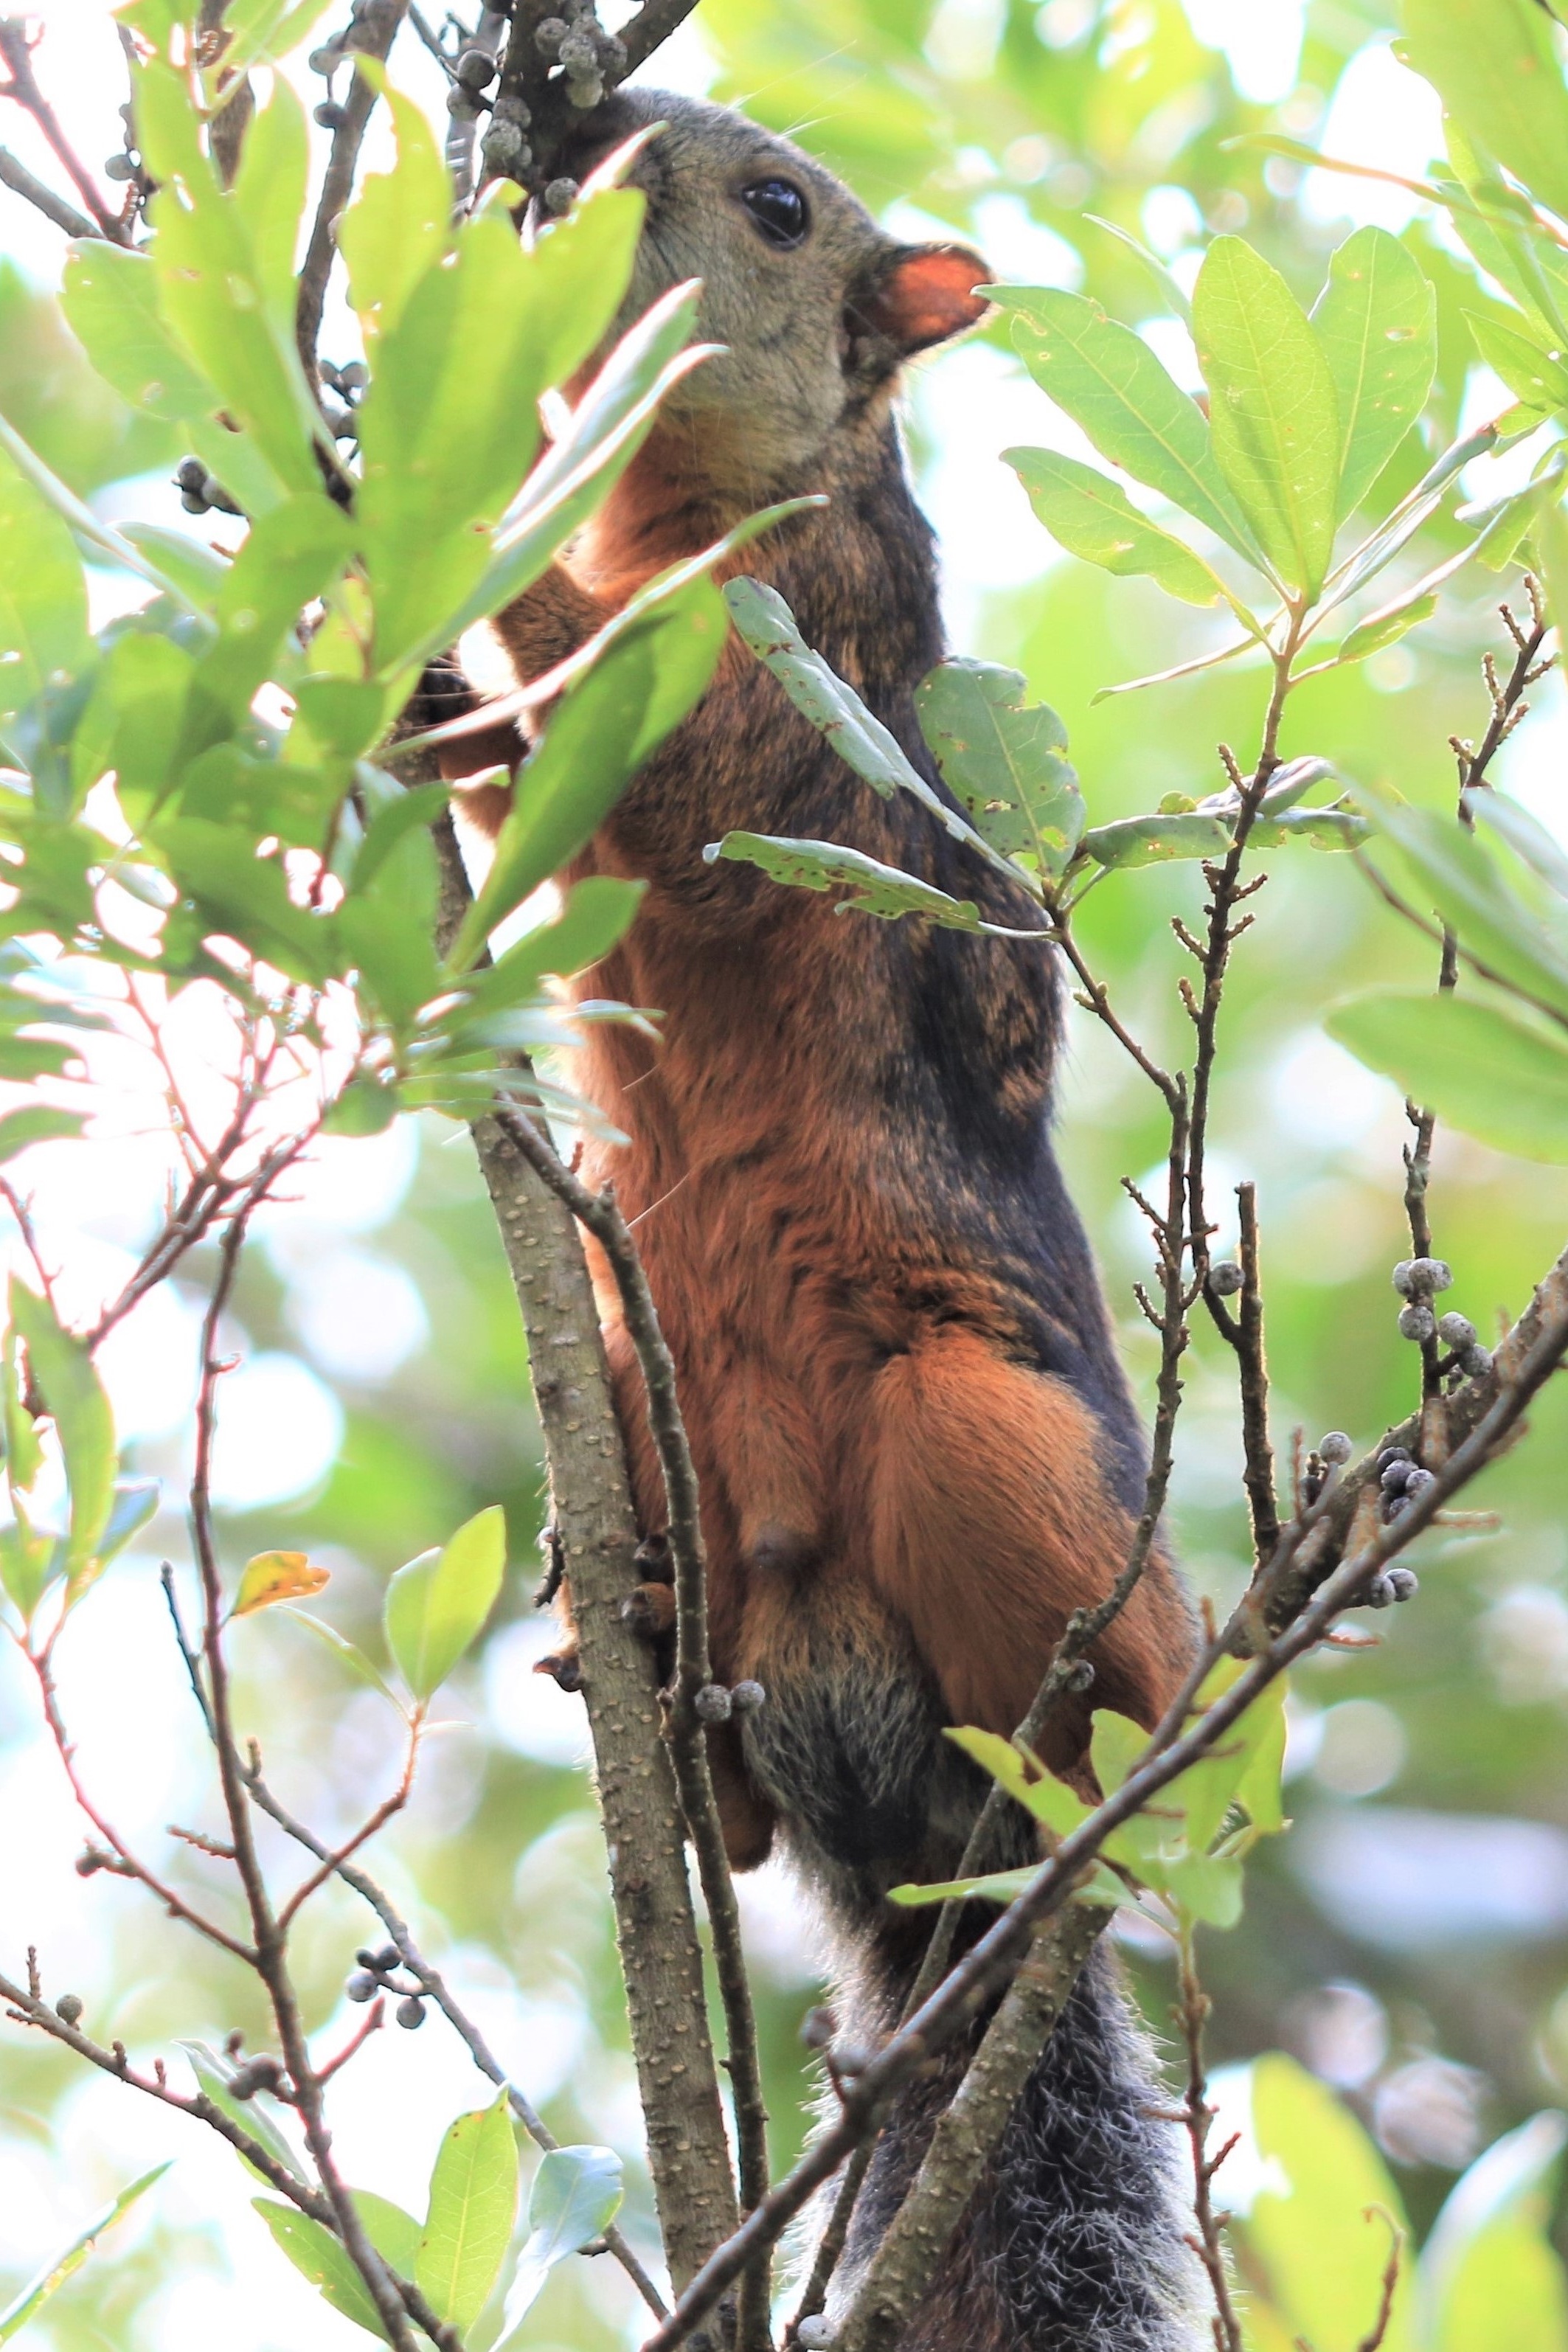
1376	320
1040	1793
1525	835
599	734
1003	759
608	426
1386	627
398	226
213	289
347	1652
365	1106
60	404
135	1501
1151	840
37	1124
1328	829
1463	883
73	1396
261	28
71	2259
214	2075
473	2206
270	187
1272	407
765	621
1488	2271
1332	2174
1495	65
437	1604
289	556
597	912
1109	382
247	898
575	2196
317	2255
43	595
1532	374
1092	517
111	300
1485	1069
869	887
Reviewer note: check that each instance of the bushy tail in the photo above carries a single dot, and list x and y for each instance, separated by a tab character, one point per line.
1075	2240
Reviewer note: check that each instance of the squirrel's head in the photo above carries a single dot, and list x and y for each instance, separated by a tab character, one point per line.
816	308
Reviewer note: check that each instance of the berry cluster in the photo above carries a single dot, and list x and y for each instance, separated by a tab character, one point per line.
377	1972
584	50
1417	1281
339	50
714	1704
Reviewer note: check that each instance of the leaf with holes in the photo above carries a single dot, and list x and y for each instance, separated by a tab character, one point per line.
1002	760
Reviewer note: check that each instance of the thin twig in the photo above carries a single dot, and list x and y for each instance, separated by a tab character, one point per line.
16	55
1192	2015
653	24
374	30
1172	1749
15	175
173	1903
434	1987
1371	2342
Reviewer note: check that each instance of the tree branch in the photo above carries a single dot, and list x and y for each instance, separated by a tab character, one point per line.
660	1956
15	175
374	31
653	25
599	1215
16	55
969	2129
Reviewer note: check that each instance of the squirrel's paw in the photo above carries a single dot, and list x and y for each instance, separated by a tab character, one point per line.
564	1665
649	1610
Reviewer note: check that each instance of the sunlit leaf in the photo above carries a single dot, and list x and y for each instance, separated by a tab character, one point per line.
1092	517
1497	67
1272	407
1322	2174
1488	2271
1111	382
69	2259
1494	1073
599	734
399	224
277	1576
473	2206
1376	322
74	1398
575	2196
1533	375
437	1604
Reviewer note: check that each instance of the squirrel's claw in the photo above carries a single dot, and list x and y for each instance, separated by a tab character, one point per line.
649	1610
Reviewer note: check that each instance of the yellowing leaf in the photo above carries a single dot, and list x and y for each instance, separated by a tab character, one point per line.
277	1576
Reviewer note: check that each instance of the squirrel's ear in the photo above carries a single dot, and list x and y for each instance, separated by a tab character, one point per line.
920	295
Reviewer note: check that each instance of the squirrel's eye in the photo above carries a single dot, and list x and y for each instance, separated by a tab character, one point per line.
779	210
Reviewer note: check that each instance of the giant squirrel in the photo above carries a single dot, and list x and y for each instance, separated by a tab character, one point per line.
916	1449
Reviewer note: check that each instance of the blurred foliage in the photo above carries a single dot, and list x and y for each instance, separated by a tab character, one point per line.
1442	2027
